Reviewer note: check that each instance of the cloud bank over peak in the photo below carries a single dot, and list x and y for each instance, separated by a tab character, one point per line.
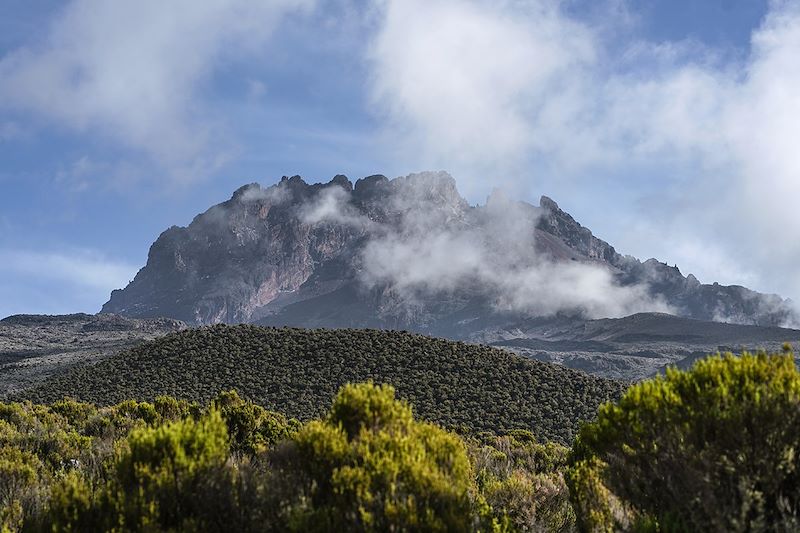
524	95
424	240
683	150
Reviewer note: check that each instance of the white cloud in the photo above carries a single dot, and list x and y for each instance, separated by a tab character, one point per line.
331	205
58	281
467	80
498	85
491	253
508	90
132	71
83	269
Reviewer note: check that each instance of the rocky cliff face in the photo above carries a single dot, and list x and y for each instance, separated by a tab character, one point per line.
408	253
235	258
561	225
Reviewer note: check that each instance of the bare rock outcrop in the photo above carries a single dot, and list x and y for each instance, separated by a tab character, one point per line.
320	255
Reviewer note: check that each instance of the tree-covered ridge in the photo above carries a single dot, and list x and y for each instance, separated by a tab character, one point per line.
297	372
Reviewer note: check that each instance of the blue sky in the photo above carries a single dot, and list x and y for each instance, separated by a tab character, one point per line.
663	125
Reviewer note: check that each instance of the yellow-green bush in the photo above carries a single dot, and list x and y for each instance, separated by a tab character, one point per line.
523	481
710	449
170	475
297	372
20	493
173	466
71	466
252	428
369	466
714	448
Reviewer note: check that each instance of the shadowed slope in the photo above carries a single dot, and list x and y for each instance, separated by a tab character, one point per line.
297	372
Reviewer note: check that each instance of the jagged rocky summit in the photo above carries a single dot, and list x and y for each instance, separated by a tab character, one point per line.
334	255
411	254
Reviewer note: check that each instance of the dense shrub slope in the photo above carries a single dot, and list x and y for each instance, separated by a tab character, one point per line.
297	372
171	465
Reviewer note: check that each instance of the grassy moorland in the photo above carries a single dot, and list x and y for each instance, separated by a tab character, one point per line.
708	449
460	386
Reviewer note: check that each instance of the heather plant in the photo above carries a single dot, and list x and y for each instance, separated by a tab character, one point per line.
21	494
714	448
170	465
523	481
252	429
297	372
170	475
369	466
709	449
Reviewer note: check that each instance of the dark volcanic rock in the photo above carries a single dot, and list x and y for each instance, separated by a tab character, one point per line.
685	294
236	258
292	254
559	224
636	346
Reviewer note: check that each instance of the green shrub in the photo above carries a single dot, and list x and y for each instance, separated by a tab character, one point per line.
169	408
171	477
166	474
252	428
171	465
134	410
38	430
369	466
523	481
714	448
75	506
20	487
297	372
76	414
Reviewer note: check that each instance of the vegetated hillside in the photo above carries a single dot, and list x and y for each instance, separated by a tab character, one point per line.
297	372
174	465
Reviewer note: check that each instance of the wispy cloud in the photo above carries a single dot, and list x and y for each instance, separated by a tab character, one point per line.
477	84
134	71
514	93
58	281
82	269
431	245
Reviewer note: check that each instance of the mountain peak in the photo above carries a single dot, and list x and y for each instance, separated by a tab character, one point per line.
432	182
246	191
320	254
371	185
438	188
545	202
343	181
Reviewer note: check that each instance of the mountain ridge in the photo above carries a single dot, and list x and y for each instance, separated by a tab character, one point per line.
35	347
411	253
265	248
